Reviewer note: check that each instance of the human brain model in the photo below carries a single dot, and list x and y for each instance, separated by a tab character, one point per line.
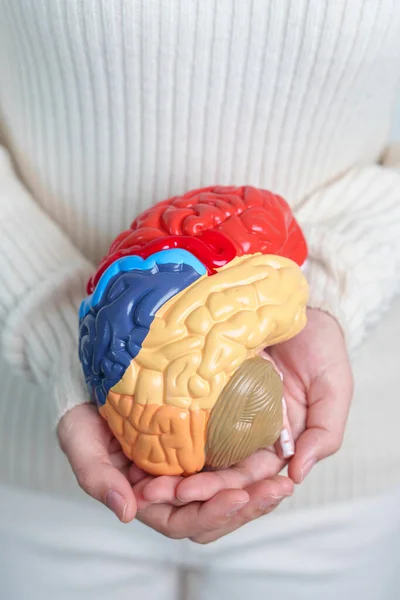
176	316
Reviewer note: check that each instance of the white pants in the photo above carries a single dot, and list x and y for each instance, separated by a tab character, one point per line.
338	538
55	549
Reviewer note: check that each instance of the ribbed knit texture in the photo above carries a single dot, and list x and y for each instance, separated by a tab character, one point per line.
108	106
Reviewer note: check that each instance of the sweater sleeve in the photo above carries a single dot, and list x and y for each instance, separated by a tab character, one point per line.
353	232
42	281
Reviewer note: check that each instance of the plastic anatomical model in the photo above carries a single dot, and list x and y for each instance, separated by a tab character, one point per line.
175	320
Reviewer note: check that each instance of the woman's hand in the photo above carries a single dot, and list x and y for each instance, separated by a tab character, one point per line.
204	522
104	472
97	460
206	506
318	388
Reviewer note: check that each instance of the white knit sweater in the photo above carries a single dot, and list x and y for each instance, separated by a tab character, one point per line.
108	106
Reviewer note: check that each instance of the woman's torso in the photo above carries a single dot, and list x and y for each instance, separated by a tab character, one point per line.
111	105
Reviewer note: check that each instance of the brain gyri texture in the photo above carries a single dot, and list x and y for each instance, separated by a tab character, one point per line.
176	313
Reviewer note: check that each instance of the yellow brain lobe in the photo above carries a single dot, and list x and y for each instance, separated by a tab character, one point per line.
160	408
202	335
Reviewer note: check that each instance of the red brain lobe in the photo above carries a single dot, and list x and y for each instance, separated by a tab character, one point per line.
253	220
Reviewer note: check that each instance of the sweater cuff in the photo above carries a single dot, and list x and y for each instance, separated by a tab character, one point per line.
70	388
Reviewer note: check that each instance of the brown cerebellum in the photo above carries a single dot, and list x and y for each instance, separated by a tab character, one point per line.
196	343
247	415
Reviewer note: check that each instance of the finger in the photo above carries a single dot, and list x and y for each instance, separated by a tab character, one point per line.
329	401
135	474
208	516
285	444
265	496
138	488
144	500
163	489
195	518
84	438
203	486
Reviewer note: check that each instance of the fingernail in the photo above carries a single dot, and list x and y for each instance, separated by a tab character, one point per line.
236	507
307	468
117	504
269	501
155	501
286	443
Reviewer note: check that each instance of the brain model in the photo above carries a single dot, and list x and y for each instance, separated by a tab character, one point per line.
176	315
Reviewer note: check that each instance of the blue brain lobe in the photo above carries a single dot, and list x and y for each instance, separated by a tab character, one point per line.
112	332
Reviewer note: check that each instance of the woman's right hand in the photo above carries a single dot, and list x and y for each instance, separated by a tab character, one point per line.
106	474
97	460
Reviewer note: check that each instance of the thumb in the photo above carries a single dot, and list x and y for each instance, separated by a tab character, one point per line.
84	437
329	399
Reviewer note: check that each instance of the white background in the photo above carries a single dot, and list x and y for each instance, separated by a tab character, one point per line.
395	135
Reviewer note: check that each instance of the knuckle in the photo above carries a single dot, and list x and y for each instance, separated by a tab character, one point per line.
161	529
85	479
169	532
211	524
201	540
176	535
264	510
259	512
335	444
270	509
63	435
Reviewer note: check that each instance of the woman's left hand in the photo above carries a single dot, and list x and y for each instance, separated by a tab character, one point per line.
206	521
318	388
